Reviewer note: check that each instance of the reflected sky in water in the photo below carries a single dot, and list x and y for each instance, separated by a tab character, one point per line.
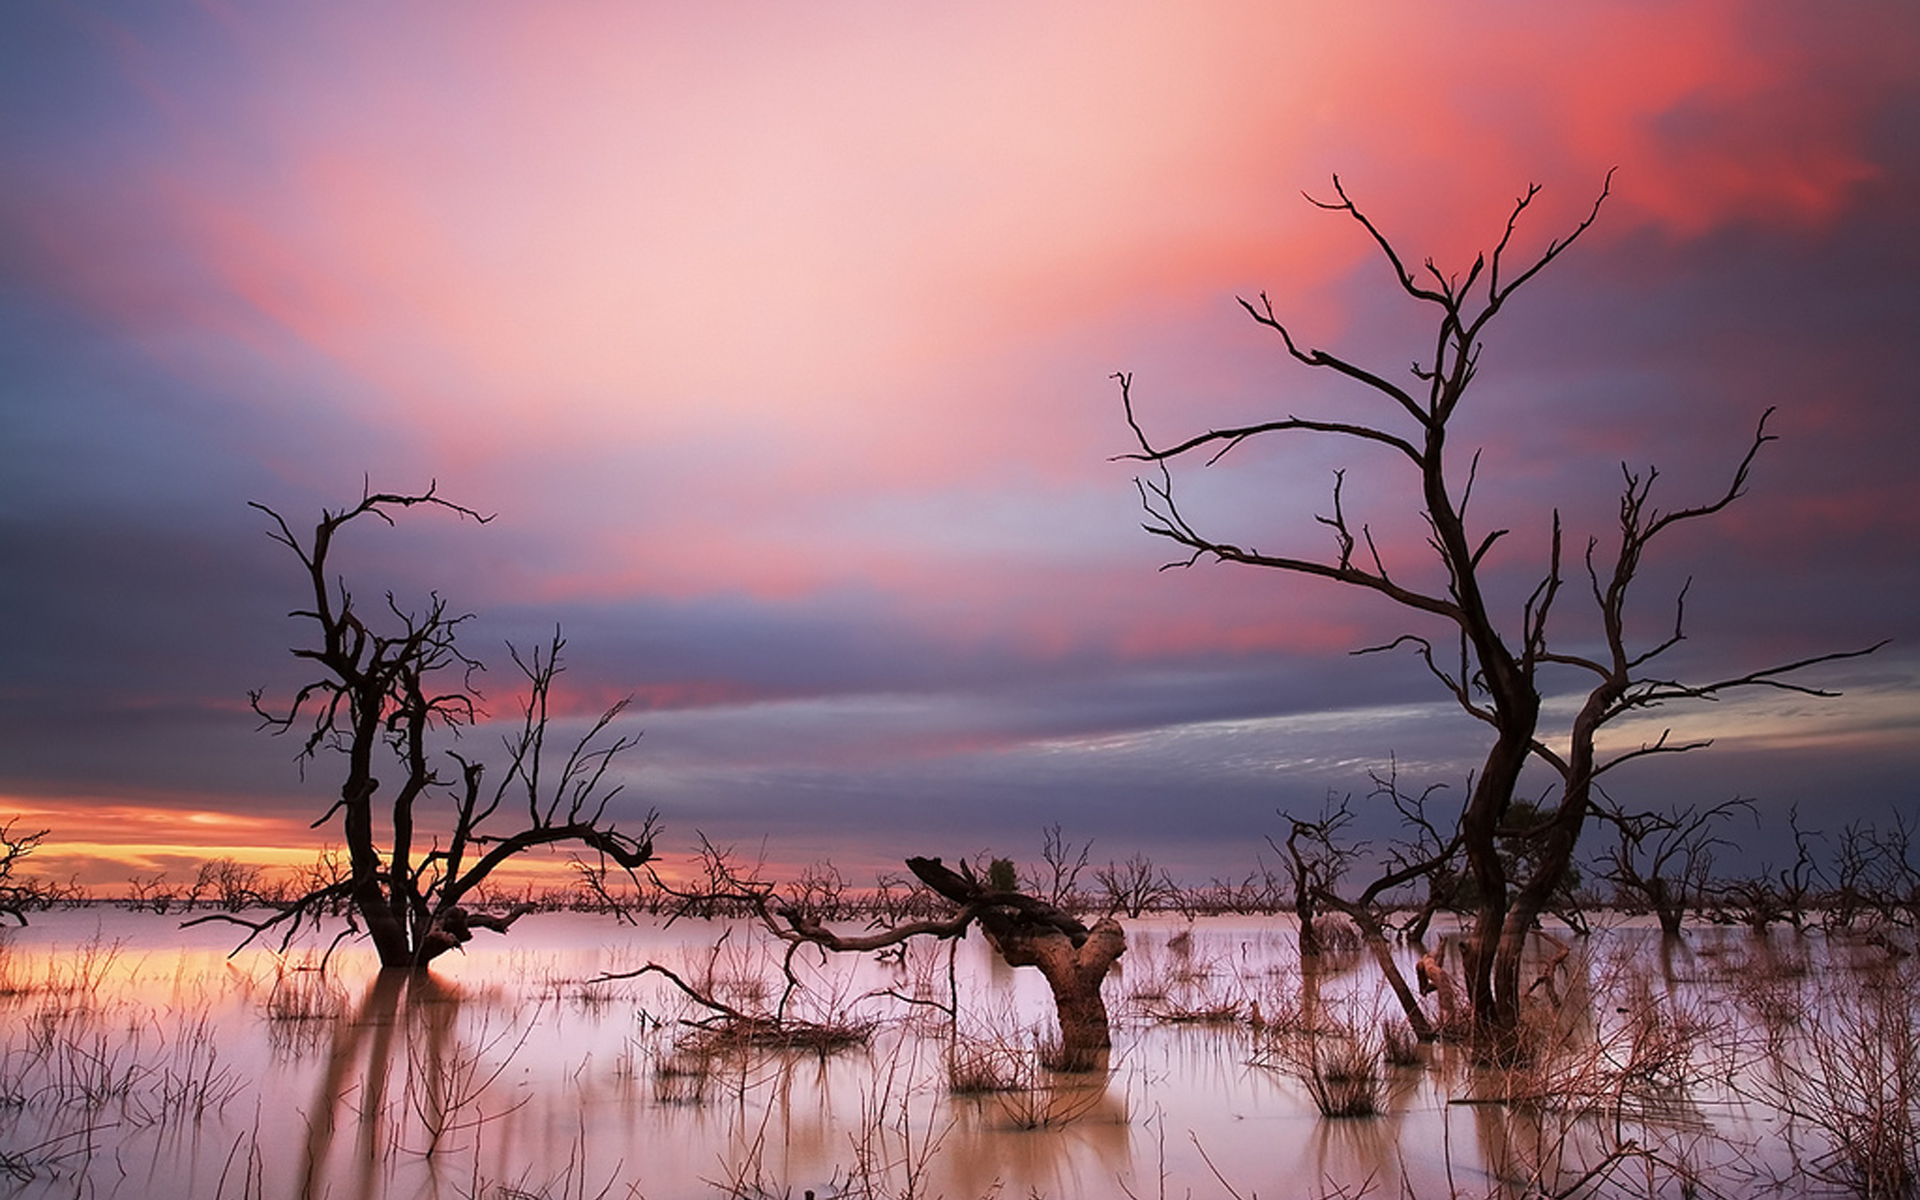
140	1060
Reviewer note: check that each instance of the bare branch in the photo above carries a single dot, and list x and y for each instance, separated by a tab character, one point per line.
385	685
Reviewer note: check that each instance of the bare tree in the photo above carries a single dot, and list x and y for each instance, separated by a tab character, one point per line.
1496	674
1316	858
386	683
1666	859
227	882
1024	930
1059	883
17	895
1321	859
1136	886
1874	876
1775	896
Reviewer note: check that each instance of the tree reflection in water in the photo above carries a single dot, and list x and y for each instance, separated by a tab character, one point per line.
1654	1070
415	1011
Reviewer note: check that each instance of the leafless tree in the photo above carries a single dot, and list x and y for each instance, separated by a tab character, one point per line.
152	893
1496	672
1427	849
819	891
1025	931
17	894
1260	890
1317	857
227	882
1135	886
1059	884
1875	879
386	683
1323	858
1772	897
1665	860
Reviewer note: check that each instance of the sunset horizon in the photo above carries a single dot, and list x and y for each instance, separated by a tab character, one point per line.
780	348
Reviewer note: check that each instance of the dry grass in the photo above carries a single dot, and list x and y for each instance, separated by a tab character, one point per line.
1336	1056
1630	1082
682	1078
1397	1043
978	1068
304	992
129	1070
1848	1070
1180	987
729	1034
1342	1074
1637	1062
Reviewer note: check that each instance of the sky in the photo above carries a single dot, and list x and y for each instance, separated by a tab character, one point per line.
779	340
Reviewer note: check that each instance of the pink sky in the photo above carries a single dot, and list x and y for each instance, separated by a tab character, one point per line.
786	327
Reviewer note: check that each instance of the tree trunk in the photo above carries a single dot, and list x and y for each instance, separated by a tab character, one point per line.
1374	935
1531	899
1074	973
1028	932
1480	826
1670	907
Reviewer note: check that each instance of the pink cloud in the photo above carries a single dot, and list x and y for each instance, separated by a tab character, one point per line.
783	265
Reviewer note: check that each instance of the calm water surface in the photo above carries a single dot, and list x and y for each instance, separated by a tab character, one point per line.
140	1060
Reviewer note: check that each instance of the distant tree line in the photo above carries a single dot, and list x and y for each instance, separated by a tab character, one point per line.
1862	877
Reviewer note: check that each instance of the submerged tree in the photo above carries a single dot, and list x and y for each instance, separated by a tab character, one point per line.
1316	858
387	683
16	894
1073	957
1498	672
1026	932
1665	859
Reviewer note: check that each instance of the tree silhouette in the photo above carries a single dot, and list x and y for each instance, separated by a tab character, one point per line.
386	683
1496	673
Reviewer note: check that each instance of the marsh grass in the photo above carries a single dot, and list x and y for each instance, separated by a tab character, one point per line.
1342	1074
1636	1061
1177	985
1050	1103
1847	1069
1335	1054
303	991
1397	1044
75	1072
979	1068
683	1077
793	1034
52	1158
72	978
892	1146
1785	1066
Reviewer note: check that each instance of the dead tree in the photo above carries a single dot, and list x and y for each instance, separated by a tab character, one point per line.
1321	859
1060	882
1024	930
1135	887
1875	879
17	895
1496	674
1665	860
1773	897
387	682
1316	858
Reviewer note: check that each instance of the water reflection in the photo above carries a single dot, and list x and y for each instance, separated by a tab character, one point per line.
415	1012
172	1073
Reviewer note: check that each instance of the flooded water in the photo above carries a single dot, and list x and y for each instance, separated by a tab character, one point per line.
139	1060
